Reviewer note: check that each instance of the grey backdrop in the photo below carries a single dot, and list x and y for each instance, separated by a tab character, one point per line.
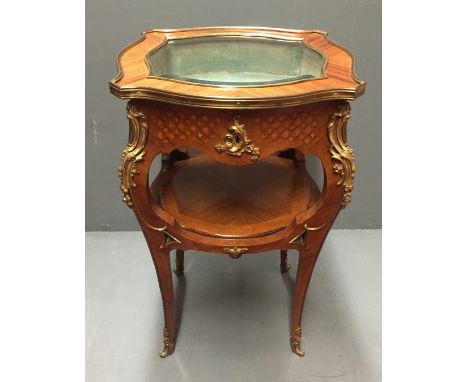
112	24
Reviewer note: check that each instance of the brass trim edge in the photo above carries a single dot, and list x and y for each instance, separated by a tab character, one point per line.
298	239
227	236
353	62
307	228
233	103
168	238
119	75
214	102
257	28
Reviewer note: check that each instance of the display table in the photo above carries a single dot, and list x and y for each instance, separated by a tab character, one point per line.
233	112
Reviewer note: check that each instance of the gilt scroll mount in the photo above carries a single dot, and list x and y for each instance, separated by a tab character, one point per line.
340	151
133	153
236	142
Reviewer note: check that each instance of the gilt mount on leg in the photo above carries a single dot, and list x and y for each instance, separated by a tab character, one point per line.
169	345
296	343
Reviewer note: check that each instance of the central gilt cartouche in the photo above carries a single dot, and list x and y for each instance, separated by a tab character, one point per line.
236	142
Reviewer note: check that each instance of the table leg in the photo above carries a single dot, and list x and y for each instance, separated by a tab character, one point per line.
179	263
307	260
133	173
162	262
284	261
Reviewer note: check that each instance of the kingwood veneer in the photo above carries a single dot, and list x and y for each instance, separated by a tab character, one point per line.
253	102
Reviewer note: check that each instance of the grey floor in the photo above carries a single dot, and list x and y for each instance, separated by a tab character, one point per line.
233	314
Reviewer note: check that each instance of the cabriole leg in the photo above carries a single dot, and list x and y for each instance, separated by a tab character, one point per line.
161	259
307	259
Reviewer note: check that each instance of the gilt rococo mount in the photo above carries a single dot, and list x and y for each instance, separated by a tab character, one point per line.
252	103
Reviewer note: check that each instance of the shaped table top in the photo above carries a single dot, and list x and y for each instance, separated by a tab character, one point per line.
236	67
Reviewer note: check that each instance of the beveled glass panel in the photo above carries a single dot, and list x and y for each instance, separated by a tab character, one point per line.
236	61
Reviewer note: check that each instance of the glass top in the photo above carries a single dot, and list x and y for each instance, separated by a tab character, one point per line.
236	61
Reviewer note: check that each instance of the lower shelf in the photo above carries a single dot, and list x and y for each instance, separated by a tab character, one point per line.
216	200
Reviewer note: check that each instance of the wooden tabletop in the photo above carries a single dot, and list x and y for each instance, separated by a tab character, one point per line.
134	80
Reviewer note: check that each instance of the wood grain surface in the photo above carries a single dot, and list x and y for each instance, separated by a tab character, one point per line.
134	80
